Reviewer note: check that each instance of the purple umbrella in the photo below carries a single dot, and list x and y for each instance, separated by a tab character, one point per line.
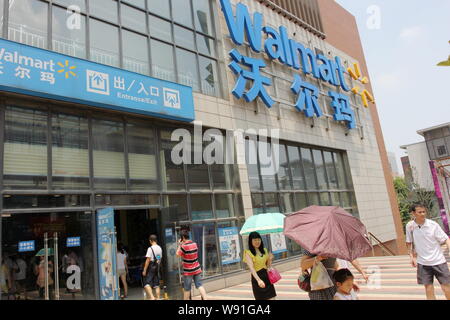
328	231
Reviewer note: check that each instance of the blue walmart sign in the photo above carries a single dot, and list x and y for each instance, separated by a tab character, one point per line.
43	73
278	46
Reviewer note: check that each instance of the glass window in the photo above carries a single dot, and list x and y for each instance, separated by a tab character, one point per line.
308	165
160	28
267	166
25	149
70	41
206	45
135	52
313	199
104	43
346	199
104	9
331	170
272	202
70	153
325	199
137	3
198	176
180	203
142	157
300	201
230	250
184	38
257	203
205	237
252	164
109	158
28	22
201	207
208	76
1	16
221	176
284	179
287	202
202	16
160	7
79	3
320	170
296	168
335	200
133	18
355	210
172	174
340	170
187	69
31	227
181	11
162	61
224	205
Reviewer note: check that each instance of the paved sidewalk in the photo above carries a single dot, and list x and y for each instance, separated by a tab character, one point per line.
397	282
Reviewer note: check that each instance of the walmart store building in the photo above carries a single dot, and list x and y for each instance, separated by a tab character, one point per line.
91	92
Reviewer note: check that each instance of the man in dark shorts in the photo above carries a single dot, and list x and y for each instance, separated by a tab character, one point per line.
424	238
152	264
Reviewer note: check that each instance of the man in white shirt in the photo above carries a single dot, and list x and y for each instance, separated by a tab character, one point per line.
424	238
152	279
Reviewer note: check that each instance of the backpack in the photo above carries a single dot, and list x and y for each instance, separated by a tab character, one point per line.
155	264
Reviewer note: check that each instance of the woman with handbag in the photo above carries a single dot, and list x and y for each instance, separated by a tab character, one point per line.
259	260
307	262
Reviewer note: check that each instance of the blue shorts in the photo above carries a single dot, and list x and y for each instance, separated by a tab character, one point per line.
188	281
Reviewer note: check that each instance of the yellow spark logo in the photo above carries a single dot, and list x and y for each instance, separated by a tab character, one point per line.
67	69
355	73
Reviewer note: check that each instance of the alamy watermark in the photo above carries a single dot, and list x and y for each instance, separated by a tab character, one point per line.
212	146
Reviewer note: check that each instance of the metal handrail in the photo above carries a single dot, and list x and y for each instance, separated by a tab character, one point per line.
382	246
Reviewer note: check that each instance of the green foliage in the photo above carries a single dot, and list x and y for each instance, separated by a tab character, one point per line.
408	194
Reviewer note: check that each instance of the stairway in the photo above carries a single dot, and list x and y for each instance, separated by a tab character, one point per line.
397	281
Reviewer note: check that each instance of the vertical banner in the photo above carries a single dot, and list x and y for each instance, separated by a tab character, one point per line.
278	242
230	248
437	190
106	243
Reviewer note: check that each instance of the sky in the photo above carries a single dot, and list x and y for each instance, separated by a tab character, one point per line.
403	40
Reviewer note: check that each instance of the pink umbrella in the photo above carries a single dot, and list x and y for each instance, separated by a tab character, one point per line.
328	231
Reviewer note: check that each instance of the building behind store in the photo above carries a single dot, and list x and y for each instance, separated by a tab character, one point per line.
63	160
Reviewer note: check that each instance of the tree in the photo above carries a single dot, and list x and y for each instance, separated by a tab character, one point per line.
445	63
408	194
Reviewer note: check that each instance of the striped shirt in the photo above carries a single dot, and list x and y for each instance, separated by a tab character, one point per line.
189	253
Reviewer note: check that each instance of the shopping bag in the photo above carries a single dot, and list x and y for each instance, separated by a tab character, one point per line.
274	275
320	278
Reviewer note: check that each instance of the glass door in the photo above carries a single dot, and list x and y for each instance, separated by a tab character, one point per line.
70	268
172	269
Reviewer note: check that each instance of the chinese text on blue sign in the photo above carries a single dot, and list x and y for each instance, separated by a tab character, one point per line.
278	46
47	74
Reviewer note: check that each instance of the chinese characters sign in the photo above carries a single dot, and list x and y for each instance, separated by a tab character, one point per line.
27	246
251	84
38	72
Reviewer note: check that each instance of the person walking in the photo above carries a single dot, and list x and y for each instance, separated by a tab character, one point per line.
188	251
153	265
21	277
424	238
307	261
259	260
122	269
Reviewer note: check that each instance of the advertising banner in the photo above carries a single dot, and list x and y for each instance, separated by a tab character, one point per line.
278	242
106	246
33	71
230	249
